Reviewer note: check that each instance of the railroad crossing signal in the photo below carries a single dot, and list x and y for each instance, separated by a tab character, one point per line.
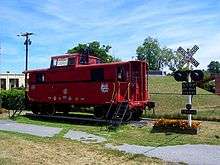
188	87
188	55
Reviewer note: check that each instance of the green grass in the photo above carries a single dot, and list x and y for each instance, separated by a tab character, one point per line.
140	136
5	161
166	92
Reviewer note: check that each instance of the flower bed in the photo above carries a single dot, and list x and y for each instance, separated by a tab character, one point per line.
178	126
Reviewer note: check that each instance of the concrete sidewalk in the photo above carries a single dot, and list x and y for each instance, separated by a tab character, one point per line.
42	131
190	154
84	137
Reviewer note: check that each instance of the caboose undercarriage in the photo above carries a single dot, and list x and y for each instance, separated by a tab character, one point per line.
100	112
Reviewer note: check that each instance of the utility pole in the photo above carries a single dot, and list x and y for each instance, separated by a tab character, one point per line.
27	42
0	76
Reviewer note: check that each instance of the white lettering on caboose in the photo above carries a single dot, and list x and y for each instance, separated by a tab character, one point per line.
104	87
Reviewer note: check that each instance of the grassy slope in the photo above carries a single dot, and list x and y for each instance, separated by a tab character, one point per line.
207	104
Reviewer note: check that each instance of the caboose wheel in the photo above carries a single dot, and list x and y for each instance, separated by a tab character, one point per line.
51	110
99	112
128	115
36	112
137	114
35	109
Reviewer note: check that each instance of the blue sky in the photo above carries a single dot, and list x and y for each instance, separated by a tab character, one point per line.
123	24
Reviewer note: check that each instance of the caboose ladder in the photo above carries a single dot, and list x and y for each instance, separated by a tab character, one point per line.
119	114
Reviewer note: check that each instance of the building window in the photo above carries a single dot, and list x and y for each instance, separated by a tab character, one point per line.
3	83
13	83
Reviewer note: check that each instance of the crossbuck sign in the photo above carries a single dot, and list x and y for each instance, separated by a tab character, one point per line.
188	55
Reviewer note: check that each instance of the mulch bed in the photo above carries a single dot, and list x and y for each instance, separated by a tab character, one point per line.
176	126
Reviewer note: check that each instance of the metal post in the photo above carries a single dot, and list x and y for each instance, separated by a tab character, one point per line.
189	96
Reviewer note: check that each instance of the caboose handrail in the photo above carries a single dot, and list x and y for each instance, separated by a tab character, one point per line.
113	97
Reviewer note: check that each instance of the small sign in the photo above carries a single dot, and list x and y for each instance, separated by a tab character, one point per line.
188	112
104	88
188	88
62	61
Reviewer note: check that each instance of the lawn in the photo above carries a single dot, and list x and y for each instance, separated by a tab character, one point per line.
26	150
209	133
166	92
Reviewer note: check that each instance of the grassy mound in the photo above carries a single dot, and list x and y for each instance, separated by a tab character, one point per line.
166	92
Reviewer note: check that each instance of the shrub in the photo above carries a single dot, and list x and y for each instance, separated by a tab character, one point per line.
13	99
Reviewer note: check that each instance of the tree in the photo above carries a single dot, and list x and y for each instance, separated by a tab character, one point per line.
149	51
158	57
174	62
95	49
214	67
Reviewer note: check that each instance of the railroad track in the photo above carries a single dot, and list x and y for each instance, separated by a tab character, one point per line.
81	119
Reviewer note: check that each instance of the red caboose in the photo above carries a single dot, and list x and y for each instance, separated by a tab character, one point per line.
80	80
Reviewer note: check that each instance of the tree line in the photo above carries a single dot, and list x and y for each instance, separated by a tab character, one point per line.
151	51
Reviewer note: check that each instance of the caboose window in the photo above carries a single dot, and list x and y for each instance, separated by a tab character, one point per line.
71	61
97	74
98	61
40	78
121	74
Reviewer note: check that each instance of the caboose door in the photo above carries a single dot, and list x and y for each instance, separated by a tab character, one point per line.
138	81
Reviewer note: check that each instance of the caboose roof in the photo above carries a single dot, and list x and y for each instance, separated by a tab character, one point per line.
73	54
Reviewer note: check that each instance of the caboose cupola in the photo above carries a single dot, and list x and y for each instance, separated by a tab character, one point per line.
73	60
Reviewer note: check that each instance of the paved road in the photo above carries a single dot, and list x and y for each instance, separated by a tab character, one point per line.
191	154
42	131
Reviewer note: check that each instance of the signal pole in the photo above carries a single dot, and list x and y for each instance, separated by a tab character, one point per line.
189	96
27	42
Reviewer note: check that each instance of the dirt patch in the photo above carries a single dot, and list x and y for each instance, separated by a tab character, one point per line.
2	110
20	150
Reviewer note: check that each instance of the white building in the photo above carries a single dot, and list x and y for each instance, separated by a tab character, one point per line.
11	80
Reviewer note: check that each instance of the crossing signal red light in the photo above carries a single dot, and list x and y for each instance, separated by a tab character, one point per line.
181	75
197	75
